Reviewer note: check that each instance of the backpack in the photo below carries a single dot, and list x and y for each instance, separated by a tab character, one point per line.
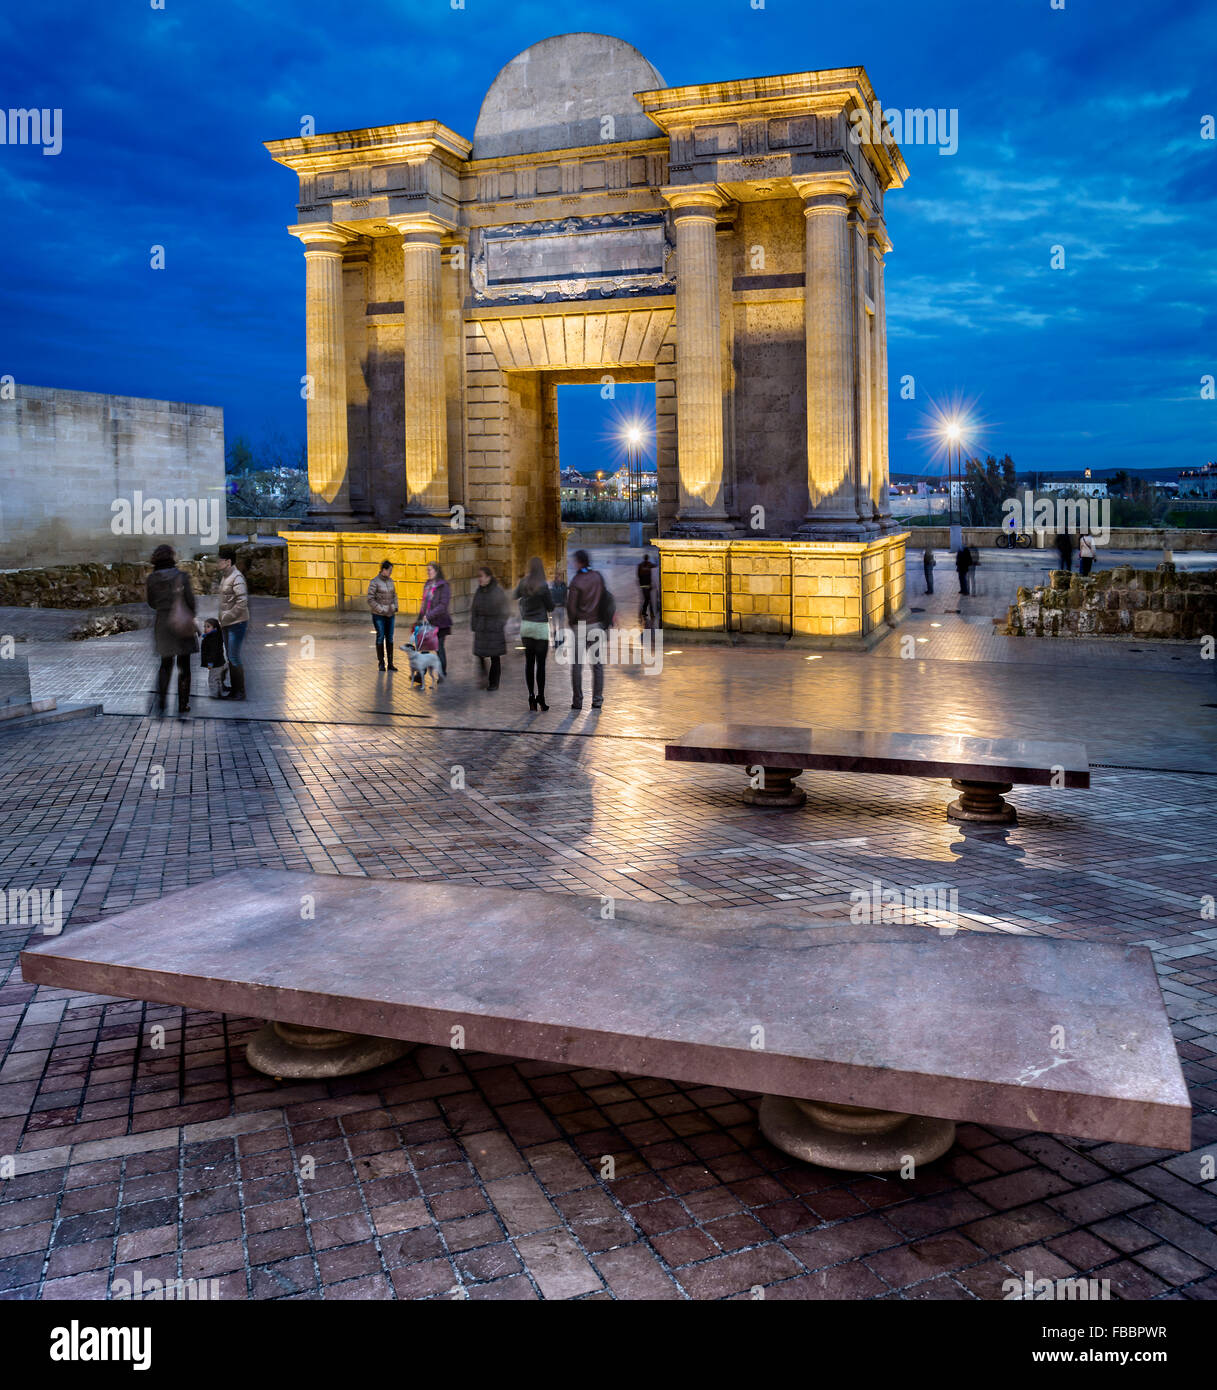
606	609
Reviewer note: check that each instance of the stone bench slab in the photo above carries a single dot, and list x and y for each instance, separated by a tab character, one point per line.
904	1019
1012	760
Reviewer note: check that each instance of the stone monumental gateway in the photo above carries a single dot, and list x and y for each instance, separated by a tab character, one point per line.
725	241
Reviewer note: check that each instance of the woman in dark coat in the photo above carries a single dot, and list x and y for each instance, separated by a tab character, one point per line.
488	618
165	584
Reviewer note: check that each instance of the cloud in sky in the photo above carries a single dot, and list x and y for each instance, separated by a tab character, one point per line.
1077	128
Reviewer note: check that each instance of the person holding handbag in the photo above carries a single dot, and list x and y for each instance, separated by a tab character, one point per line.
174	632
434	612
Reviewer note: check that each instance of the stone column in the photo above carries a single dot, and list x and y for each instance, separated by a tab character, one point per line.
830	320
699	378
879	247
426	425
326	366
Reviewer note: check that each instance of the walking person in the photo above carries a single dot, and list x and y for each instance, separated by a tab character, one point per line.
646	571
536	604
434	611
488	619
169	593
212	658
963	563
234	619
589	611
382	600
1064	548
1086	552
927	566
557	591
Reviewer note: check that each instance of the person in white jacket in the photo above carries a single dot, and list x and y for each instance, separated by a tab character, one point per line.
234	618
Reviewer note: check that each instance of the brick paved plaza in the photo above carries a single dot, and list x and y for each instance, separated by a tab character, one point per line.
449	1174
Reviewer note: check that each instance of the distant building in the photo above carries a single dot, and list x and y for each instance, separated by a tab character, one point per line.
1198	482
648	484
574	486
1082	487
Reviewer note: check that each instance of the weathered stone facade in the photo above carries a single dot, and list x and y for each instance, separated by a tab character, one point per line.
105	586
66	457
725	241
1139	603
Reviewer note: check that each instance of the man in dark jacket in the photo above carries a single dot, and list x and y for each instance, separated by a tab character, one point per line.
646	571
584	598
963	563
173	631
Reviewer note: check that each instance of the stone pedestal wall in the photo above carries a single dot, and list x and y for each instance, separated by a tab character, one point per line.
1139	603
332	569
818	593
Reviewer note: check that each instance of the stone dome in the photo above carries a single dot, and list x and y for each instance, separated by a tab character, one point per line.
554	96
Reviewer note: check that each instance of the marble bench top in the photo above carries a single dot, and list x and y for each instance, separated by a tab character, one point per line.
891	1017
902	755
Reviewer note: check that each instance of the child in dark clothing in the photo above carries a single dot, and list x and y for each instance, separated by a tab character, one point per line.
212	657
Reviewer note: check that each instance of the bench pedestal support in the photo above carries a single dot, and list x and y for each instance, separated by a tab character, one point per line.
289	1050
852	1138
983	802
779	789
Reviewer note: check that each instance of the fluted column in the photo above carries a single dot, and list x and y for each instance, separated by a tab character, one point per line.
699	380
880	479
426	424
831	328
326	367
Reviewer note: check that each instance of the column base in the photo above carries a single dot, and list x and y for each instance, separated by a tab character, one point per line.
851	1138
779	790
834	530
425	521
722	528
297	1053
982	802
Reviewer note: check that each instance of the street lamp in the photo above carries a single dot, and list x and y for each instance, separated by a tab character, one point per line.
954	434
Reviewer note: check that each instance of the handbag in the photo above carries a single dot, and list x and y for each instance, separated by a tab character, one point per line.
181	619
426	639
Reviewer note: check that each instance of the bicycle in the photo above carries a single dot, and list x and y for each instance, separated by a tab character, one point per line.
1007	540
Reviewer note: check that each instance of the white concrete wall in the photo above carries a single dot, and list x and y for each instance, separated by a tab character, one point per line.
67	456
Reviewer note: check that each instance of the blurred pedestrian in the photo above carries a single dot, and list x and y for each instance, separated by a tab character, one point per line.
536	604
589	611
1086	551
927	567
488	619
963	563
646	571
557	591
1064	548
174	633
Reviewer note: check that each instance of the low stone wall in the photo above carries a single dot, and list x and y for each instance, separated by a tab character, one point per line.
104	586
821	593
1139	603
1122	538
332	569
586	533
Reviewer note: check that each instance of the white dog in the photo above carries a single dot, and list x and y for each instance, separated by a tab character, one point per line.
424	664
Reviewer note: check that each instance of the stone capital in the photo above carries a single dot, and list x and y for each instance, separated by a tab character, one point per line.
876	233
826	192
694	199
420	226
322	236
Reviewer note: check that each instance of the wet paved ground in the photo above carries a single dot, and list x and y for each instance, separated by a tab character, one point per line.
447	1172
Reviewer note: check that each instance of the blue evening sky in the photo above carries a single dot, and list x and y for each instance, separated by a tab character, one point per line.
1078	128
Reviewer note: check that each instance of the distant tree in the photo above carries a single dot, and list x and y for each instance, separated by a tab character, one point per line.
239	456
985	487
1118	483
